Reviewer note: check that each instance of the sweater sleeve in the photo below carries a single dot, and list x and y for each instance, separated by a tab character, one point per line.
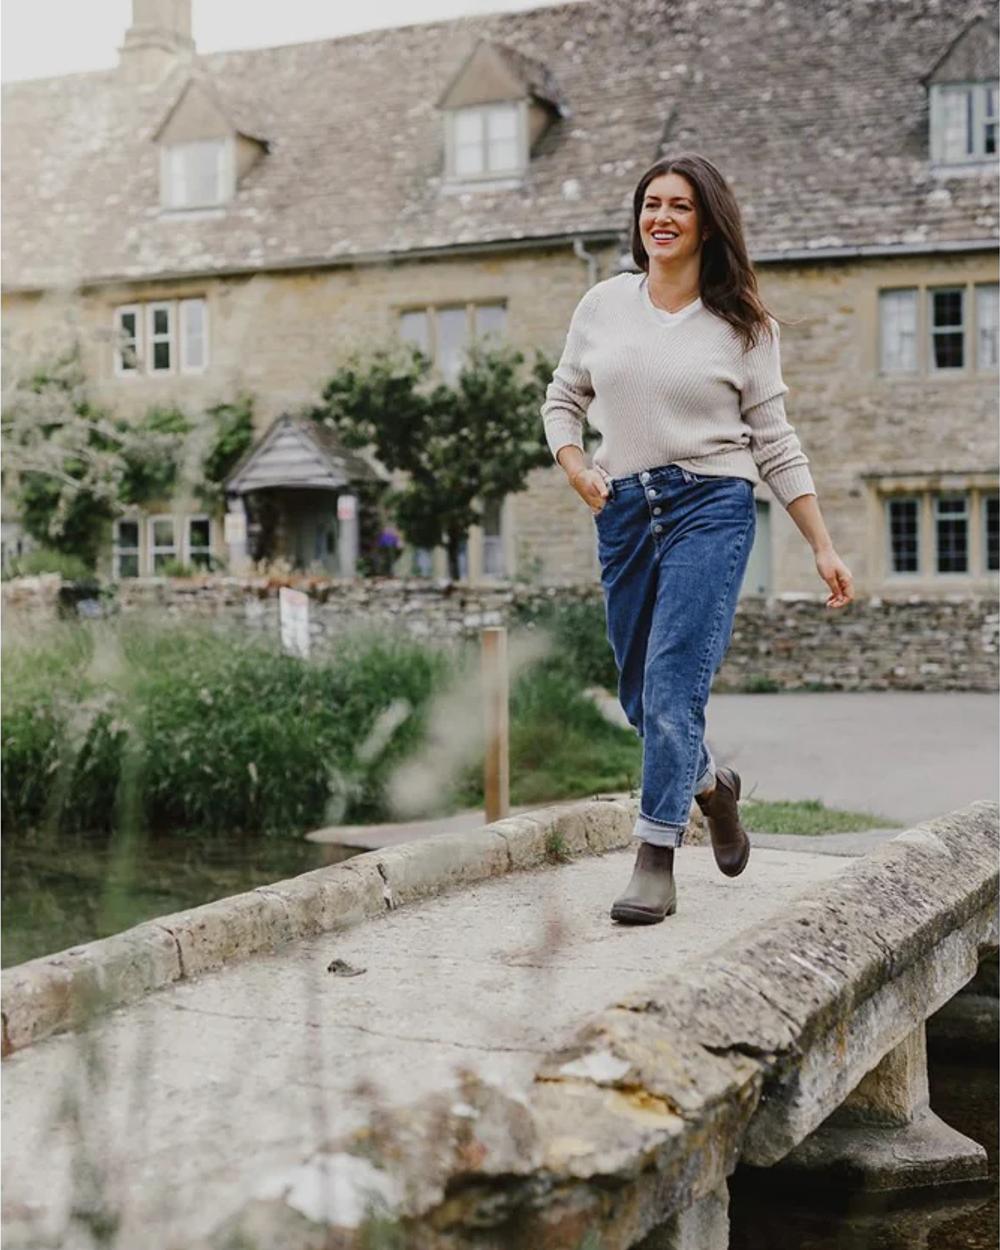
569	394
775	446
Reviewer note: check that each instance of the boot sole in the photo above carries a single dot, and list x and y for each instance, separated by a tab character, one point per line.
635	915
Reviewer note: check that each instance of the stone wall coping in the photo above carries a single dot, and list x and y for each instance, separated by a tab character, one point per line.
268	586
63	990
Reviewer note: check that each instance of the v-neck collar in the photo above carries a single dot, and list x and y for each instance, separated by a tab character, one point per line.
661	314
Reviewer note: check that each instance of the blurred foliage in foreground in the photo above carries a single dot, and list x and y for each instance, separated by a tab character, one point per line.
191	728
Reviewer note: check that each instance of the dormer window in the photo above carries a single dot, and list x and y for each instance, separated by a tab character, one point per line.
963	88
496	109
198	174
964	122
208	146
487	140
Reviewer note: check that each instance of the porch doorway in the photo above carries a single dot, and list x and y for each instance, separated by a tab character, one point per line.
311	532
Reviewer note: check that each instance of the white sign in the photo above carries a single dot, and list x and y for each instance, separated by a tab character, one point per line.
234	528
293	614
347	507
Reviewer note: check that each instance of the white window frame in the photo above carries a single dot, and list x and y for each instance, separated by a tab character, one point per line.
424	340
980	291
170	337
973	295
172	189
117	550
152	548
178	312
972	99
888	304
520	109
430	313
183	311
140	354
888	501
987	116
932	330
936	498
189	550
494	545
985	498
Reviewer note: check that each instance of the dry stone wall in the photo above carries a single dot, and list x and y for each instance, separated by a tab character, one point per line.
789	642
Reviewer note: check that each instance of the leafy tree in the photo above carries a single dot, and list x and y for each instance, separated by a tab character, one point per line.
460	446
64	458
233	434
72	467
151	459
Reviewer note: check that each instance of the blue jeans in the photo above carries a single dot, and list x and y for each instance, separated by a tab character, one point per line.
673	548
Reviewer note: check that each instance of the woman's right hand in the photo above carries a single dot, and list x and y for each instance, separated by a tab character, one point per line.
590	485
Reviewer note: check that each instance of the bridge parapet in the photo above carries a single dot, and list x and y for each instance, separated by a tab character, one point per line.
637	1123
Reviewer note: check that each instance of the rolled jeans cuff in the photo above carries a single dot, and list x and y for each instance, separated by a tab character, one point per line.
657	833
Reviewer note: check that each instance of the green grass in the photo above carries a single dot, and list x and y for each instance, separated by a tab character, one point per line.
808	817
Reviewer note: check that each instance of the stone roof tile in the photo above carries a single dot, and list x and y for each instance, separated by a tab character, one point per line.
813	109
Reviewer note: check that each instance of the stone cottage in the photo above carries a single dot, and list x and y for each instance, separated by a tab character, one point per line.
204	225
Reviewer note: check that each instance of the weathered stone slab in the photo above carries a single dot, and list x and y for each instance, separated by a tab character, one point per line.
885	1136
65	990
443	862
923	1152
62	991
645	1113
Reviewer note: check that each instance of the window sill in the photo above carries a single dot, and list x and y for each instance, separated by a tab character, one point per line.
962	169
934	375
940	581
160	374
494	182
208	212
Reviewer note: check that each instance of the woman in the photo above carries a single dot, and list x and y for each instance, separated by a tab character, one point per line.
678	368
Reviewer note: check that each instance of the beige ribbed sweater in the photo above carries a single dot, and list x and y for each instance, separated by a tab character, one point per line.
672	388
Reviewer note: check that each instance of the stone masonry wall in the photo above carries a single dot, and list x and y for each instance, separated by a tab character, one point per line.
280	335
789	642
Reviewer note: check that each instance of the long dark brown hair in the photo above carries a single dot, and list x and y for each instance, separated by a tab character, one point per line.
728	282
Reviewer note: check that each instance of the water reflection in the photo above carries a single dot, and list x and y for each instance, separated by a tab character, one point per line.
965	1094
56	888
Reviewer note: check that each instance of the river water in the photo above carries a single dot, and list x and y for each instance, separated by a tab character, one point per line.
59	891
964	1093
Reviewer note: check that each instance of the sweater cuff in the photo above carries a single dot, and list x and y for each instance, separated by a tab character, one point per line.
788	484
562	431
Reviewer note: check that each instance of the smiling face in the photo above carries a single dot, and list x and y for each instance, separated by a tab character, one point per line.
670	207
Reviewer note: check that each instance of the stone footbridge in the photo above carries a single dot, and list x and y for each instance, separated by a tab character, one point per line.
447	1044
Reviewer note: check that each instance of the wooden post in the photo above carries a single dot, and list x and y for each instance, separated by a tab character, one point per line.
496	771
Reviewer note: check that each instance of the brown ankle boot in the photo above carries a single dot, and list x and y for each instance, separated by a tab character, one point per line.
722	815
651	894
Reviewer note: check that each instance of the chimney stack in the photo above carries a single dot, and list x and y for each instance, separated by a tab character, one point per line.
158	39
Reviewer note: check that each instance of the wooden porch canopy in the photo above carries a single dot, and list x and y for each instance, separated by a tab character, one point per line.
298	453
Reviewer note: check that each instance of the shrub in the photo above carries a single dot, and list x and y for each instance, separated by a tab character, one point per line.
579	631
198	729
46	560
227	733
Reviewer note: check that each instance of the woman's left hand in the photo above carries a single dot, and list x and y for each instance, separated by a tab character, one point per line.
837	576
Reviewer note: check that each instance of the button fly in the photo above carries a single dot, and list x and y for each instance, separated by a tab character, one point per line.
651	493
